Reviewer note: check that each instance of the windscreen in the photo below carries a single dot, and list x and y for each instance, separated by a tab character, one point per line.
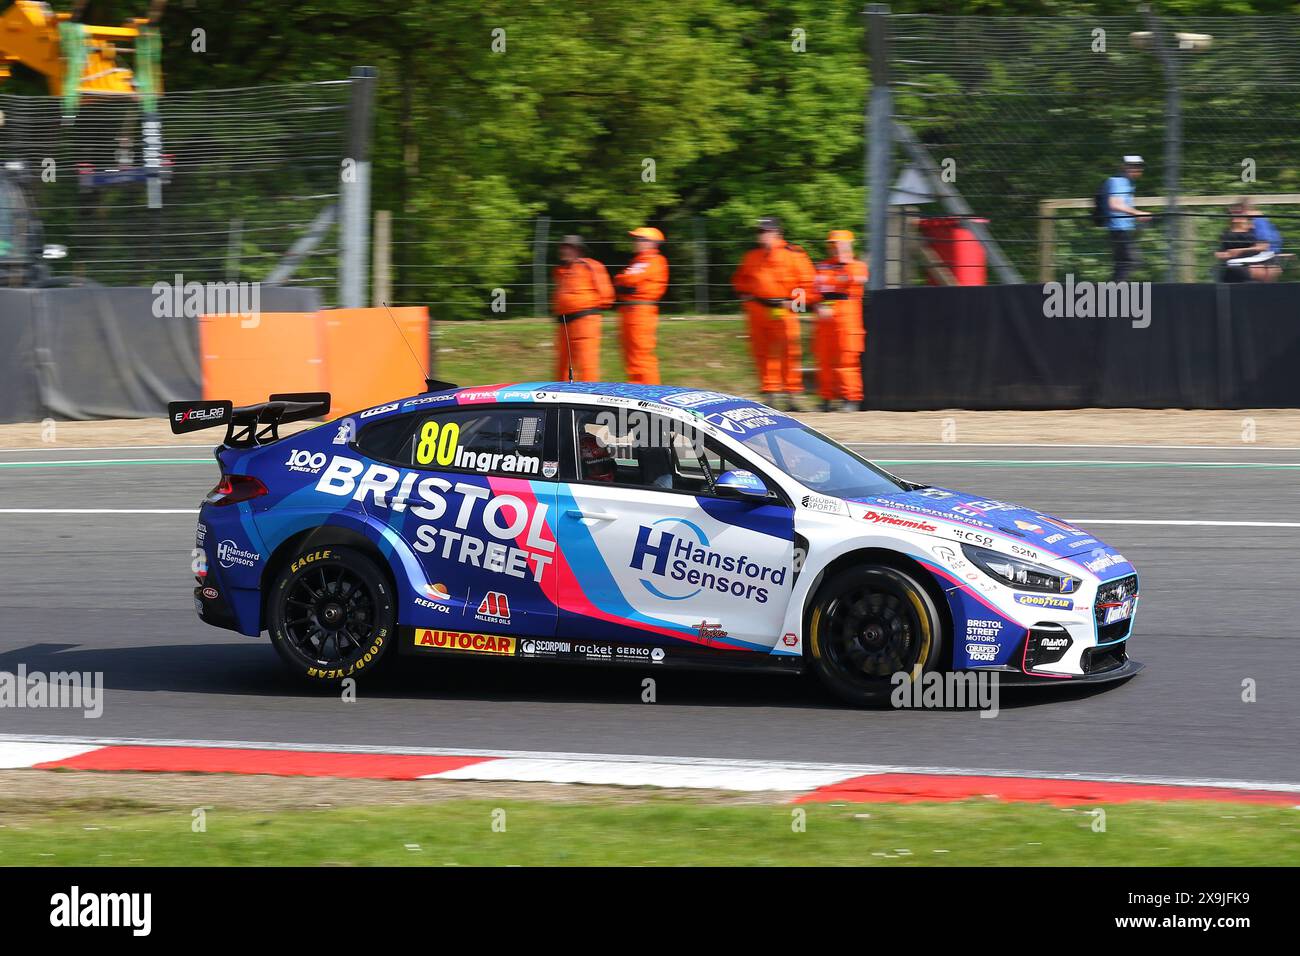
820	464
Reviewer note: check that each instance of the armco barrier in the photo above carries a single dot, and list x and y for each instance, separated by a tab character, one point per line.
98	352
1206	346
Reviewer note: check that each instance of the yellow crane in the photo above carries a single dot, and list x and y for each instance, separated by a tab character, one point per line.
63	49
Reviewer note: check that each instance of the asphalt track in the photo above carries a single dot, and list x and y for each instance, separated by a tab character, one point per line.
94	578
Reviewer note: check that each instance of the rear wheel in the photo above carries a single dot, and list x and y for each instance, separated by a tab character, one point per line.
868	624
331	614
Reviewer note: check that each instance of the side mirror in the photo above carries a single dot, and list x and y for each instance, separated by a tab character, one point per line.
740	484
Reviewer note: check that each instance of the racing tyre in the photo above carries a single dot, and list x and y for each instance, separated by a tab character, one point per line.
869	623
331	614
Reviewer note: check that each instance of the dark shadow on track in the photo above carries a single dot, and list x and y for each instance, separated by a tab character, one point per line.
235	669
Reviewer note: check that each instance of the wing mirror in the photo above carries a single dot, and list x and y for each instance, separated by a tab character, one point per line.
740	484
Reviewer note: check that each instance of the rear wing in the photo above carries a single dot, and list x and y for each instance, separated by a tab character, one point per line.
251	425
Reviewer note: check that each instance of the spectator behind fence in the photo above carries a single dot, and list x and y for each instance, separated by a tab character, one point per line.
1240	249
1121	218
1269	270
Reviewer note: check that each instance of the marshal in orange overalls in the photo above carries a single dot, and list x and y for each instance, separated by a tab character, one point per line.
838	335
640	287
771	279
582	291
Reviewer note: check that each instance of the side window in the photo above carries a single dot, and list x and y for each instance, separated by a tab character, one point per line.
632	448
495	441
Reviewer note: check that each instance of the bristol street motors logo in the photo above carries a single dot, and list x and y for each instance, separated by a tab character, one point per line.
494	608
686	567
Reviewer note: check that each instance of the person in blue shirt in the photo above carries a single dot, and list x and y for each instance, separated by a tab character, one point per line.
1122	217
1267	270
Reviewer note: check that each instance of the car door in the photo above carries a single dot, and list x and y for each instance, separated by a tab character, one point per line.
651	555
477	514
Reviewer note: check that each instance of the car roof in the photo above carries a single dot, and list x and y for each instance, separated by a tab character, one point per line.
733	414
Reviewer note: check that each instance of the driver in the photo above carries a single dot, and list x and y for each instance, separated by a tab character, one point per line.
597	462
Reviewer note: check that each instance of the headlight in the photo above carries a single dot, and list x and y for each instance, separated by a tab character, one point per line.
1017	573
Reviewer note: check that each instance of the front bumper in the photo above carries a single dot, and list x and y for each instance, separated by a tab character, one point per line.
1122	670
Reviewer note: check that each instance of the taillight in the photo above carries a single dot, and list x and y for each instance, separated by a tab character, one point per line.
232	489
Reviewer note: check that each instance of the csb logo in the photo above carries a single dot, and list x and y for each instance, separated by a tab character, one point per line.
305	461
494	608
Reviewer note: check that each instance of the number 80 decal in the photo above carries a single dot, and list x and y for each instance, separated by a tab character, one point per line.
437	444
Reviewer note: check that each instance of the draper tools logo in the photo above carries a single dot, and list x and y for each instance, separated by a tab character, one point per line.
669	554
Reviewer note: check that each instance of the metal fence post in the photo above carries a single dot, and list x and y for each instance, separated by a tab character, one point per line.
701	267
879	130
1173	137
383	258
540	234
354	191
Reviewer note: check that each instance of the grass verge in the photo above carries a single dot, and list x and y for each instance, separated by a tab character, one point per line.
709	352
651	830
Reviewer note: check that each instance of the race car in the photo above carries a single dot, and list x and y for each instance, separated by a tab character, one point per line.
632	524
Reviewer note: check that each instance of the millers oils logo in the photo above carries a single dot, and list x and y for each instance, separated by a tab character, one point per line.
464	641
494	608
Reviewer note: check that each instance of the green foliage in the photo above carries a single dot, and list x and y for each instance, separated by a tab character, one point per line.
746	107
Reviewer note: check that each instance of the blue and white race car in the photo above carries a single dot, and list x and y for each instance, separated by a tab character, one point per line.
632	524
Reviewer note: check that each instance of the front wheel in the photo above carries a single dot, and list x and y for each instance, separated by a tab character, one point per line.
868	624
331	614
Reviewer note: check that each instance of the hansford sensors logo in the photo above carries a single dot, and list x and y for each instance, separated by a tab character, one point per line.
230	554
672	555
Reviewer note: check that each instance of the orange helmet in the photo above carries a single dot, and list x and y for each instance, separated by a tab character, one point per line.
839	235
648	232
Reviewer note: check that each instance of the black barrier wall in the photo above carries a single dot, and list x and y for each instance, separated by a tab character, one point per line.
96	352
995	347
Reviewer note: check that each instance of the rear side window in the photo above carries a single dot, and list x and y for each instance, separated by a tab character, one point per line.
488	441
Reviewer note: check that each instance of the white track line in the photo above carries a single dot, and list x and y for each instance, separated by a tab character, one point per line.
1166	462
998	444
1184	524
848	770
99	511
108	461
